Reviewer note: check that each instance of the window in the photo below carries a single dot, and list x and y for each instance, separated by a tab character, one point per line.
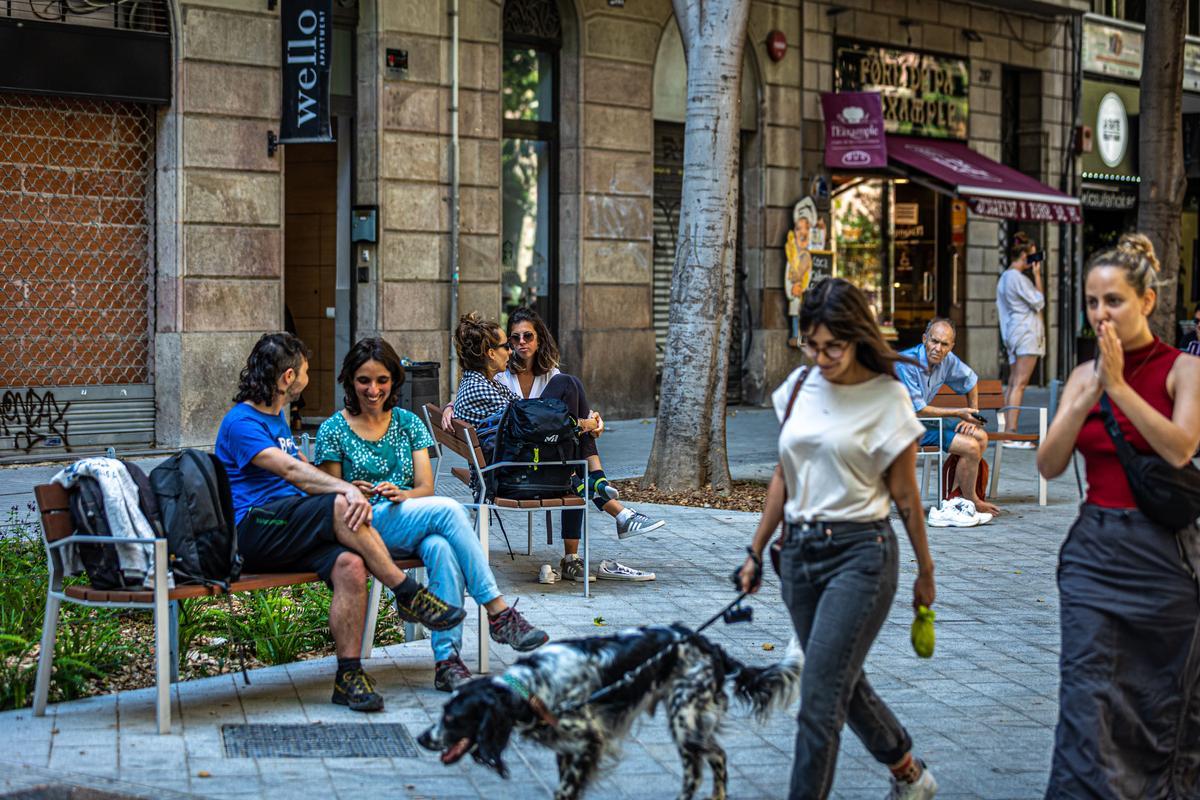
529	159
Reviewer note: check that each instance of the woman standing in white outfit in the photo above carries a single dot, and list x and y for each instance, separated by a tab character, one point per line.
1020	305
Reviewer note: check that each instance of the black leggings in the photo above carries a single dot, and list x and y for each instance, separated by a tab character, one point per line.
570	390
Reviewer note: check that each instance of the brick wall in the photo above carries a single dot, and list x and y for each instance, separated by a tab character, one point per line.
76	184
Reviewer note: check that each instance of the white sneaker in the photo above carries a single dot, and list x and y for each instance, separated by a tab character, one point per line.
615	571
924	788
1019	445
956	513
548	574
984	517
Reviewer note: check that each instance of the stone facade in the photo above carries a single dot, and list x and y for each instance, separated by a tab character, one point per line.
220	211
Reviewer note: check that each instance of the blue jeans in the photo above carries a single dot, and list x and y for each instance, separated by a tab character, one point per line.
438	531
838	588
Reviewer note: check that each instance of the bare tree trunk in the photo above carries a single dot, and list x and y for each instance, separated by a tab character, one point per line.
689	440
1160	201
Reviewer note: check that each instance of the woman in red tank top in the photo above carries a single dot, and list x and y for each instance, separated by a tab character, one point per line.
1129	696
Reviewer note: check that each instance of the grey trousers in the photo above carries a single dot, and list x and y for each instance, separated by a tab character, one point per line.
1129	705
838	588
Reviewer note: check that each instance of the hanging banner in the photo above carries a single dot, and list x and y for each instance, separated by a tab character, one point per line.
307	34
854	137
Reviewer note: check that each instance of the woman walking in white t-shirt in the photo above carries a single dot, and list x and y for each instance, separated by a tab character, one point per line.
846	451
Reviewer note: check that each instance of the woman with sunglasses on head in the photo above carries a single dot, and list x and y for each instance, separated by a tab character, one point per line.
1019	304
383	450
1129	694
847	451
484	351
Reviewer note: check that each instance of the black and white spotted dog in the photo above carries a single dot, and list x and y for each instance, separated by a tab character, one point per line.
545	697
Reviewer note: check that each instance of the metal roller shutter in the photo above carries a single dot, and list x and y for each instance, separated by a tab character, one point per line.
76	288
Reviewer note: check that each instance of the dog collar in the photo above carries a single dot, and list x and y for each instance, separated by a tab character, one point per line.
538	707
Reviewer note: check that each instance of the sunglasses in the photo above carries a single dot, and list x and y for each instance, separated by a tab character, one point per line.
522	336
503	346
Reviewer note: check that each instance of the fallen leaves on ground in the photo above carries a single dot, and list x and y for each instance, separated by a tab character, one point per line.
744	496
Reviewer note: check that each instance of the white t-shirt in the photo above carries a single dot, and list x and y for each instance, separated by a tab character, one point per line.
509	379
837	444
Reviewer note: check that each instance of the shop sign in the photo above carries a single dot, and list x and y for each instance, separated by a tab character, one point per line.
1029	210
1112	129
307	36
807	259
922	94
854	137
1112	48
1191	65
1108	201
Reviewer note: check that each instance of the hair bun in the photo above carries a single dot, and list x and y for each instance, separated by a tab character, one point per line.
1139	246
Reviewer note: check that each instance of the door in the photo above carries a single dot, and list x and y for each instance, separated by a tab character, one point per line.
914	259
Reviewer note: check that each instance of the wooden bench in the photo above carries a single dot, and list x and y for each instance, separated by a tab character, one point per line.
464	441
991	398
58	530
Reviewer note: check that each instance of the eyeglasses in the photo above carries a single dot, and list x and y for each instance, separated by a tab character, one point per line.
831	351
503	346
522	336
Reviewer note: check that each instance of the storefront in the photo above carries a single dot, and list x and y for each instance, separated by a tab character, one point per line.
900	221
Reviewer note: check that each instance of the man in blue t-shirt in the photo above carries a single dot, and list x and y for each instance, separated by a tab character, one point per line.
292	517
940	367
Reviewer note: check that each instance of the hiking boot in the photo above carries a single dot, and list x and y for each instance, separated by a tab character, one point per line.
924	788
428	610
571	569
354	688
511	628
616	571
448	675
637	523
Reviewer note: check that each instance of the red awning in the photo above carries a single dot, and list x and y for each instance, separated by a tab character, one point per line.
989	187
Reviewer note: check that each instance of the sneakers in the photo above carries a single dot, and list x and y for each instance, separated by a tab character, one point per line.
615	571
354	688
427	609
923	788
637	523
511	628
571	568
1019	445
448	675
957	513
548	574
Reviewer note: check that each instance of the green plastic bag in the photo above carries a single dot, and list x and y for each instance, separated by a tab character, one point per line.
922	632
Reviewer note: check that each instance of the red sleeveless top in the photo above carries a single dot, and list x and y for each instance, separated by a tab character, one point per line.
1146	370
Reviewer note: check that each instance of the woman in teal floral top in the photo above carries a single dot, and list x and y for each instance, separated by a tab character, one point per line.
382	450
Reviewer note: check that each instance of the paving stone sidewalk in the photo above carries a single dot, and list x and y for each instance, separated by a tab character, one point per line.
981	712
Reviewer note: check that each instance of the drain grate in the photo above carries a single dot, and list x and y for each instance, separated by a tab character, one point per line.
387	740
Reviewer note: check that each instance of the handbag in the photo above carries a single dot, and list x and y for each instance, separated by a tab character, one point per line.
1167	495
948	472
777	546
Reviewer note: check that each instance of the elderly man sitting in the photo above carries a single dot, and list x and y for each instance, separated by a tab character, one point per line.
940	367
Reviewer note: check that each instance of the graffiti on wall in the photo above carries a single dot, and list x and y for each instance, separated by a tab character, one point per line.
33	418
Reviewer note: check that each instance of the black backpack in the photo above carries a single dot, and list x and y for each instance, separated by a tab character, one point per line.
534	431
100	561
197	513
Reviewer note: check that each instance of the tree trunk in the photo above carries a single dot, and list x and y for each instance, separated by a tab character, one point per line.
689	440
1160	201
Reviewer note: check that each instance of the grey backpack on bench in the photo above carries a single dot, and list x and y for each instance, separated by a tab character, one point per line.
197	512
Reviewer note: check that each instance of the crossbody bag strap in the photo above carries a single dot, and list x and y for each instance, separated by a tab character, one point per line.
1124	449
795	393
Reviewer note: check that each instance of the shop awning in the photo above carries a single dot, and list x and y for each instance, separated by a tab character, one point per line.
989	187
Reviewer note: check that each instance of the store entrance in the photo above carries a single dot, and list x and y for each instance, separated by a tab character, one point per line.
887	237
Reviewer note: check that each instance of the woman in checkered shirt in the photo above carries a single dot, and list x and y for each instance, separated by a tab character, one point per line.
484	352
